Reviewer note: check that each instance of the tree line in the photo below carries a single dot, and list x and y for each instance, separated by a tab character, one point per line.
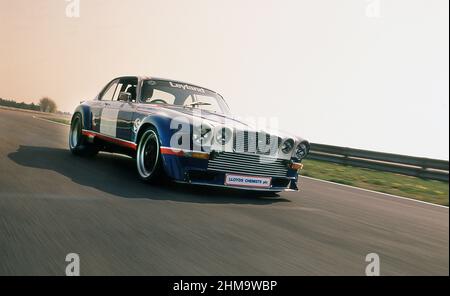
44	105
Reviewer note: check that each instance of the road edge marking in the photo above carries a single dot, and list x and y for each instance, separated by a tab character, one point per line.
381	193
51	121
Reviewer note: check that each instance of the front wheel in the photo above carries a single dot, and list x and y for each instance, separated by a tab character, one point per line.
148	156
77	142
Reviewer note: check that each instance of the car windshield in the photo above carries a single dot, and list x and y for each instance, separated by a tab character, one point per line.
182	95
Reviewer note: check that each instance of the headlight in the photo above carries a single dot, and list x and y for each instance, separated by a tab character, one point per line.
202	134
287	146
301	151
223	135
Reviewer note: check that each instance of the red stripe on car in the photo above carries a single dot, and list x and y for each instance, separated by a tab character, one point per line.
170	151
117	141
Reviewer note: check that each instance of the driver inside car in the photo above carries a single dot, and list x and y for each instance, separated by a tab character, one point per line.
147	92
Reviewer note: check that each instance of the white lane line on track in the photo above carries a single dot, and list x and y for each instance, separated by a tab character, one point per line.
381	193
51	121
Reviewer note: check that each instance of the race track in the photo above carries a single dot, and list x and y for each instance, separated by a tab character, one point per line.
53	203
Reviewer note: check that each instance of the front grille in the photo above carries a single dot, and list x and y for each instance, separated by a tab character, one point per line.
254	142
249	164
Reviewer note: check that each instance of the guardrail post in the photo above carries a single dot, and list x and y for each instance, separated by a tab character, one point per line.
345	154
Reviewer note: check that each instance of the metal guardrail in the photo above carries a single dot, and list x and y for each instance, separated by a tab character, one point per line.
407	165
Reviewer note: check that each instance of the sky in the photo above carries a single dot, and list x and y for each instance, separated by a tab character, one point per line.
370	74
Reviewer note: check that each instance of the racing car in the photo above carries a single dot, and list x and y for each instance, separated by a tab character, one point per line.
185	133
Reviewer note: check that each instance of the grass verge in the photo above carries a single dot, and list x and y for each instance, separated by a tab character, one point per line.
406	186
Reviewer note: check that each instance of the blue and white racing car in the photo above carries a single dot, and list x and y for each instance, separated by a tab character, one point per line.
186	133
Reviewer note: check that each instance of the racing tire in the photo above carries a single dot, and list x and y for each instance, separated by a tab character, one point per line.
78	143
148	156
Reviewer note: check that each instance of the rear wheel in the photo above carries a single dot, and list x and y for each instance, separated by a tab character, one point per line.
148	156
77	142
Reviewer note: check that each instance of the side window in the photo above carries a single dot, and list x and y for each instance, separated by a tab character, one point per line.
109	93
131	88
118	90
126	85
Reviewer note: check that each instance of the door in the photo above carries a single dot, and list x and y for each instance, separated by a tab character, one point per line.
126	108
123	110
106	122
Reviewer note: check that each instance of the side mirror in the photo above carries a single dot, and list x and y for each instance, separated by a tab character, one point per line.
124	96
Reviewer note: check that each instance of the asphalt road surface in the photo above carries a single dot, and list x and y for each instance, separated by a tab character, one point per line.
53	203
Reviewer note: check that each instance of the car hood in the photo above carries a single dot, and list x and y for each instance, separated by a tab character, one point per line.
215	119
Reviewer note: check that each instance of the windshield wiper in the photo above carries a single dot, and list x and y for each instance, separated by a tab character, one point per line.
195	104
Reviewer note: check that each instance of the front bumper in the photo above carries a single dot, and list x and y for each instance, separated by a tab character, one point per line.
217	179
212	170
